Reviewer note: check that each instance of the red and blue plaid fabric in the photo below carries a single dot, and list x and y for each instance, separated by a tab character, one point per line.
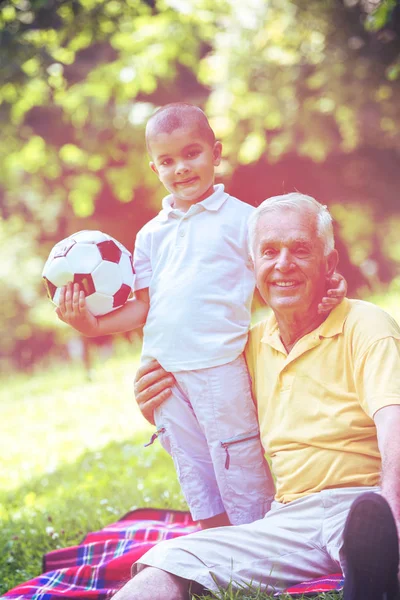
101	563
328	583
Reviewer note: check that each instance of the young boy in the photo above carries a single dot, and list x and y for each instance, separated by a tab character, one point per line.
193	290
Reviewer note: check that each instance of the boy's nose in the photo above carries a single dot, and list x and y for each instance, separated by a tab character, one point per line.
181	168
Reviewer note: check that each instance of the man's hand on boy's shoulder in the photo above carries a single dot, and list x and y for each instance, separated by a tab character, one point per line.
72	310
336	292
152	386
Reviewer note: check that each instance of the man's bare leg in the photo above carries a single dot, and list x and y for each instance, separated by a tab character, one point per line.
220	520
154	584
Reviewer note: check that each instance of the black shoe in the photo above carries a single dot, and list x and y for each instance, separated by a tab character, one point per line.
371	550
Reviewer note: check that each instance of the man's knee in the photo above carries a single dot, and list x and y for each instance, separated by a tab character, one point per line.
154	584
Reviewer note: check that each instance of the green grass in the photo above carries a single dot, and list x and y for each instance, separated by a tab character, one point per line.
75	461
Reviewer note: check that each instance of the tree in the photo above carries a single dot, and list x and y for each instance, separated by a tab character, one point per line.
310	79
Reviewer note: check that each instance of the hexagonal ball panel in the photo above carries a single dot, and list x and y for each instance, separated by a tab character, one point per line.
110	251
107	278
84	258
62	248
90	236
56	297
122	295
58	271
100	304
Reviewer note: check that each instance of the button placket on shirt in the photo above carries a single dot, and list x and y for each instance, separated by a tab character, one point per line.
286	381
182	228
184	221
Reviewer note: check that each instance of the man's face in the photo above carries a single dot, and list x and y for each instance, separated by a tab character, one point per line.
184	163
290	265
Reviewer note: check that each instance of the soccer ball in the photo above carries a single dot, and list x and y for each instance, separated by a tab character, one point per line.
101	265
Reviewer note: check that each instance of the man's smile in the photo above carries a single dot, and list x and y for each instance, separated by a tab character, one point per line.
289	283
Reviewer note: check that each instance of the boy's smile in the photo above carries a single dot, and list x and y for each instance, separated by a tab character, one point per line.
184	163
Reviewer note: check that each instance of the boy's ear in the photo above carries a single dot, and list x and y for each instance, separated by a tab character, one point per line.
153	168
217	153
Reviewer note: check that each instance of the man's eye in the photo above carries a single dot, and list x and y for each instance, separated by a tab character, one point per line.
268	252
302	252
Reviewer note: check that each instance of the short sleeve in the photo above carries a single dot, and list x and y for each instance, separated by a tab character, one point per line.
377	375
141	261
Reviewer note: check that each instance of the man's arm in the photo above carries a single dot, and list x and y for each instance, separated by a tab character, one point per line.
387	421
73	311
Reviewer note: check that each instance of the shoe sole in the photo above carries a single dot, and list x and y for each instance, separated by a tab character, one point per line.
371	549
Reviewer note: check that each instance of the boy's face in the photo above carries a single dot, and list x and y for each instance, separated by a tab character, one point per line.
184	163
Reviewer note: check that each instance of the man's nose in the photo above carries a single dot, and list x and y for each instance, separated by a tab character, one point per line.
284	261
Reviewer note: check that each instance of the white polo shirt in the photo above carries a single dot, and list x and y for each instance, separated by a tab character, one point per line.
200	281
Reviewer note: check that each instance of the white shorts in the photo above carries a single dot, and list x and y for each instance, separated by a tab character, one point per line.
209	426
293	543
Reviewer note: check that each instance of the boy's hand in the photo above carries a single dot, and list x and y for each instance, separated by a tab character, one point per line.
72	310
152	387
337	290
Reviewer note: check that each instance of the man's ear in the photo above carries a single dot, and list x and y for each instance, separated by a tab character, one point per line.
331	263
250	261
217	153
153	168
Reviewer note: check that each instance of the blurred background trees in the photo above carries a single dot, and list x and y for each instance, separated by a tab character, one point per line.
304	94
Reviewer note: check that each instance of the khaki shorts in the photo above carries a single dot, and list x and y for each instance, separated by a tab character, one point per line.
209	426
294	542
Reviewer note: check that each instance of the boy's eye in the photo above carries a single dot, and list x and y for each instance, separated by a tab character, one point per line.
166	162
193	153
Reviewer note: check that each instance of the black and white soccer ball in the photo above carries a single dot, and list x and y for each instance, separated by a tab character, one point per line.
99	263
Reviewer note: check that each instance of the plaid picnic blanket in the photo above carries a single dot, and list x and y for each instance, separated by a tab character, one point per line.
101	563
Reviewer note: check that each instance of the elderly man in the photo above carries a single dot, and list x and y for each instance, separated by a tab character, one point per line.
328	397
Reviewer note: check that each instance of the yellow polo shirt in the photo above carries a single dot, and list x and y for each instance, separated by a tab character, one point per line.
316	404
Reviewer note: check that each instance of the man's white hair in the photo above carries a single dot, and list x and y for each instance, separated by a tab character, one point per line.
295	201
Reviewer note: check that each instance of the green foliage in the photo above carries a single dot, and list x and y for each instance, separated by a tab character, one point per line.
281	76
79	78
381	16
389	299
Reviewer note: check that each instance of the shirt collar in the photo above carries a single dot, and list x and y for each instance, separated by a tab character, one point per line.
211	203
333	325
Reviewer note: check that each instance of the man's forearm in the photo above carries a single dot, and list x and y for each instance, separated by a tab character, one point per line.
387	421
391	476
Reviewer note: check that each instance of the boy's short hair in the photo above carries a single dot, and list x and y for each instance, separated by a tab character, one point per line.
175	115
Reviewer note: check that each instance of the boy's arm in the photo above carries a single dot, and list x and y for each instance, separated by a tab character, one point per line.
73	311
336	291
